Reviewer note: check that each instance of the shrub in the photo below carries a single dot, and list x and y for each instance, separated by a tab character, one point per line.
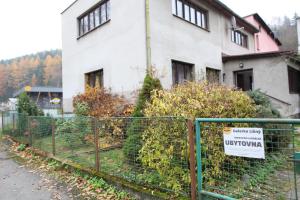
133	144
75	131
164	144
81	109
275	140
26	106
101	103
263	104
150	84
21	147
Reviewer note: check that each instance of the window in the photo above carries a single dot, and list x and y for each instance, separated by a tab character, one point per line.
212	75
257	42
182	72
239	38
294	80
94	18
244	79
190	13
92	21
94	79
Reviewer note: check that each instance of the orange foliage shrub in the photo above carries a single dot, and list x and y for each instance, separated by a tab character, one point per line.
102	103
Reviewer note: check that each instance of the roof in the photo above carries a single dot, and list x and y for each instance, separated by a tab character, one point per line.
266	27
38	89
69	6
229	13
219	6
226	58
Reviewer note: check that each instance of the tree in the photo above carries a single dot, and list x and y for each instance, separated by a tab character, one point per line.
33	80
3	82
150	84
286	31
26	106
133	143
29	69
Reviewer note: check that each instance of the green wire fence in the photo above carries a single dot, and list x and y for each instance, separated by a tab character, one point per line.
160	153
227	176
111	146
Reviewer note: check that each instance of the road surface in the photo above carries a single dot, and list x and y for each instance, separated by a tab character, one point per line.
20	183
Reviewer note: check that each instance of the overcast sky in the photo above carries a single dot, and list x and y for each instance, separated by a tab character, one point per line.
29	26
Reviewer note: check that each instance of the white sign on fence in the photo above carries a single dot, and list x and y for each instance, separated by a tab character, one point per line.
244	142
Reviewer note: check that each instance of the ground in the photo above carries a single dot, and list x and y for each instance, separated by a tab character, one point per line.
25	176
18	182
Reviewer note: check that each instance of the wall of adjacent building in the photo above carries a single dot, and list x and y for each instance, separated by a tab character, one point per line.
271	76
175	39
265	42
118	47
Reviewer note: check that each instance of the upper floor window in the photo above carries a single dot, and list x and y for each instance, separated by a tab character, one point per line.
94	18
239	38
190	13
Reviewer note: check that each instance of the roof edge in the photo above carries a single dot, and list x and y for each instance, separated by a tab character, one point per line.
240	19
68	7
258	18
226	58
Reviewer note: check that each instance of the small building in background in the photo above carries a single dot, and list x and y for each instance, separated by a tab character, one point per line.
277	74
265	40
49	99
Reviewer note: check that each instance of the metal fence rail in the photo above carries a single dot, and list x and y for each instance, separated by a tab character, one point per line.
110	145
225	176
114	146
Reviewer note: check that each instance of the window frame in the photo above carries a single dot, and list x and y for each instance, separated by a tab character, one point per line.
175	73
81	28
239	38
293	82
204	14
87	77
211	70
235	81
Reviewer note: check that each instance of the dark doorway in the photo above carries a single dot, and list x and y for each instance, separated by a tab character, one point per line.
244	79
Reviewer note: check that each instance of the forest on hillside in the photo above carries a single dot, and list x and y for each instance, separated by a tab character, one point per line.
285	30
40	69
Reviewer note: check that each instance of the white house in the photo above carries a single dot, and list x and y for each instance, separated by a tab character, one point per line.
111	43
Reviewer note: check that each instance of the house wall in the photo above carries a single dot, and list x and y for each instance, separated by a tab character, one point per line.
174	38
298	33
271	76
118	47
264	43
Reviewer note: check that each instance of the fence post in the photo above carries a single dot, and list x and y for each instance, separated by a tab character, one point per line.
294	163
14	121
29	131
2	122
53	137
96	138
198	156
192	158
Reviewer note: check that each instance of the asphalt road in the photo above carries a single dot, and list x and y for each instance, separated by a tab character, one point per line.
19	183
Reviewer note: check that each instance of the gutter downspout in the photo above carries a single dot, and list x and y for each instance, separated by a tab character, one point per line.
148	37
298	33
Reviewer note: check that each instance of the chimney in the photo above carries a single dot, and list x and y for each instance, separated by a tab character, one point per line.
298	31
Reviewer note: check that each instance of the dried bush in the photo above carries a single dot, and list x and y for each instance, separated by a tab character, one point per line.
102	103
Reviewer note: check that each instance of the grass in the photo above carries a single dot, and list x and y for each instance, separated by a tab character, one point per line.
112	161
